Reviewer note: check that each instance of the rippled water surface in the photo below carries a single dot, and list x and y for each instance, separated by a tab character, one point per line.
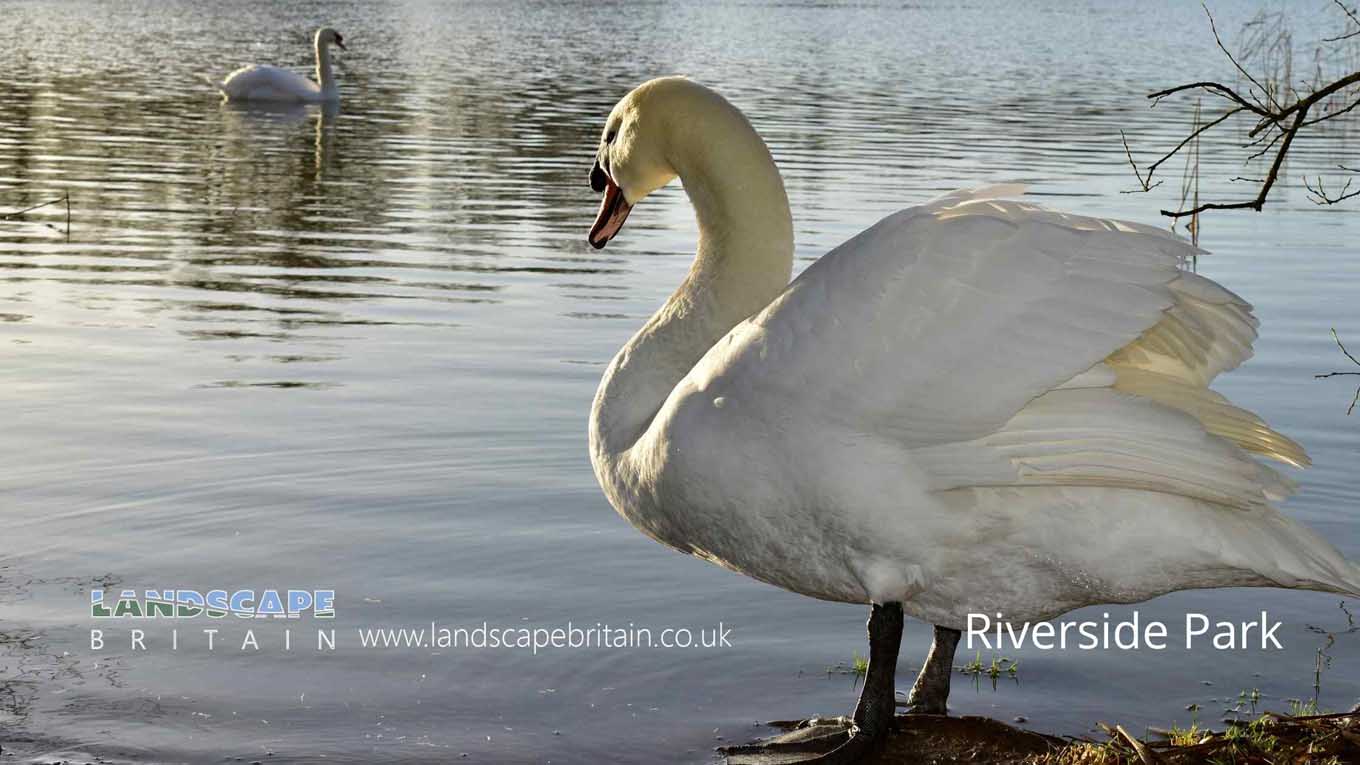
355	349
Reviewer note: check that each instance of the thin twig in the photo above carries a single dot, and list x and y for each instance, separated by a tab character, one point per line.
1351	15
65	197
1343	348
1264	150
20	213
1354	399
1320	195
1214	28
1145	183
1190	177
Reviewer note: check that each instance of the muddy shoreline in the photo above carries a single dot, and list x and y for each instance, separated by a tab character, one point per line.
1315	739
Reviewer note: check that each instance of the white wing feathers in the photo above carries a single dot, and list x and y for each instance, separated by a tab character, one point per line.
1101	437
1209	330
1003	344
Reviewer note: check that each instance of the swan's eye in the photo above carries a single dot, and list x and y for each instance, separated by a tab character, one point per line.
610	136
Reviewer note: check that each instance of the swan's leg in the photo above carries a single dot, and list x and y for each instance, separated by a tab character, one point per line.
877	700
845	742
931	691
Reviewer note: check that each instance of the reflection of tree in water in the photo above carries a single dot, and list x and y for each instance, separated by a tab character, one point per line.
17	105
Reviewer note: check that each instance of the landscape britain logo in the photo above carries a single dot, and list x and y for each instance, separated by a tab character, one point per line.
215	604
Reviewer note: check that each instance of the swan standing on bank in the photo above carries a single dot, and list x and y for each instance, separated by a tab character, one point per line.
271	83
973	406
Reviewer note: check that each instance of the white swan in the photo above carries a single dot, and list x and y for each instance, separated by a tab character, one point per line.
271	83
973	406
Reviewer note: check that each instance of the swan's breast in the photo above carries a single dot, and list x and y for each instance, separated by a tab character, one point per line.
793	501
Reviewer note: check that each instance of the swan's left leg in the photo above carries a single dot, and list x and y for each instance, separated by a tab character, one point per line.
840	741
931	691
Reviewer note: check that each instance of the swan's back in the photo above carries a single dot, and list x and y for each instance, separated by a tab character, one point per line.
269	83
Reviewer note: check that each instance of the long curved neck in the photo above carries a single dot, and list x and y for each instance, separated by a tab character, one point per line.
324	77
744	260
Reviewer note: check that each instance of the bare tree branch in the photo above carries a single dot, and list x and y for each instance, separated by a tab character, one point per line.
1260	200
1319	194
1212	87
1280	113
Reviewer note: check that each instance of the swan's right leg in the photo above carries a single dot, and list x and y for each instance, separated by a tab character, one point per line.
841	741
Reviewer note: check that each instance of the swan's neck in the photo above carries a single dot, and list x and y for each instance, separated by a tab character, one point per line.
744	260
324	77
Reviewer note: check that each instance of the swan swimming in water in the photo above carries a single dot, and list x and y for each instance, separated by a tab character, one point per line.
271	83
975	405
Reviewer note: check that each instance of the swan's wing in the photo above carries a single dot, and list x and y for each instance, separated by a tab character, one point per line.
938	323
1100	436
975	333
267	83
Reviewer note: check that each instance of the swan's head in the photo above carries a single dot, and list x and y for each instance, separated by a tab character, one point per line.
327	36
637	143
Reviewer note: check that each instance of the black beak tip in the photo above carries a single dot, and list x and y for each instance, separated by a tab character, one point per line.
598	180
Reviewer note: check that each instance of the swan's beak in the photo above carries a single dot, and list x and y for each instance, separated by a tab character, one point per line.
340	41
614	208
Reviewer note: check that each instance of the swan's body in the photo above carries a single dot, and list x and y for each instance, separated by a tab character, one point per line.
271	83
973	406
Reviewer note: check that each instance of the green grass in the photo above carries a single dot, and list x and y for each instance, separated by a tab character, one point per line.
999	667
858	666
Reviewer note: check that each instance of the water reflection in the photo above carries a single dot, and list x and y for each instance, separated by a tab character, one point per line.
245	122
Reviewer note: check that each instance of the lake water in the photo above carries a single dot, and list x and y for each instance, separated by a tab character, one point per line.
356	350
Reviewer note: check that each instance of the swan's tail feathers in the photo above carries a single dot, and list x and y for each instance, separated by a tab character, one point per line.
1352	582
1295	556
